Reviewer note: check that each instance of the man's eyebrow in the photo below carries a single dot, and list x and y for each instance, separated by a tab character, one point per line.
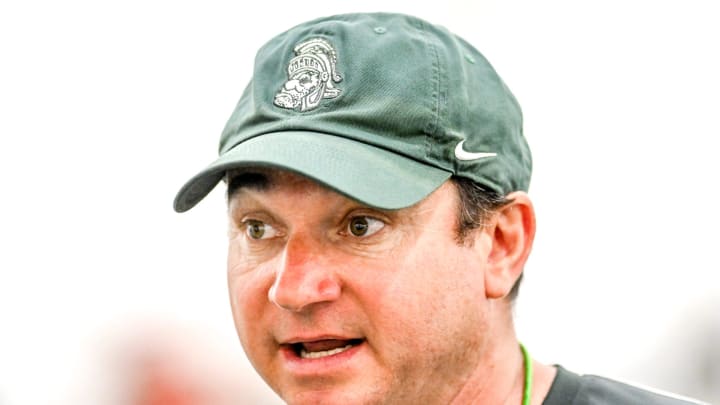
252	180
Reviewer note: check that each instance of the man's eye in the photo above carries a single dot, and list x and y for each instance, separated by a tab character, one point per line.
364	226
259	230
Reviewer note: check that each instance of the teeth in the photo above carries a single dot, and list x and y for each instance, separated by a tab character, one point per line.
316	355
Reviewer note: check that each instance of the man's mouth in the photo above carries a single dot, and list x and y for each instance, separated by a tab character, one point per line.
323	348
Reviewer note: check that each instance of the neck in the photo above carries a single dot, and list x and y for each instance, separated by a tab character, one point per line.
500	377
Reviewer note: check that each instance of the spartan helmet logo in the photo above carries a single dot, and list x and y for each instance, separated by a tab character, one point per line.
311	76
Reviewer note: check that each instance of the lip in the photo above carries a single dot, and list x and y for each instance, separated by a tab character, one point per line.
315	338
324	366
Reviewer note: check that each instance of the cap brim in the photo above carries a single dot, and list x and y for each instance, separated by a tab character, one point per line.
371	175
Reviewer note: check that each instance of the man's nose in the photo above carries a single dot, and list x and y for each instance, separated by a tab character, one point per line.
304	277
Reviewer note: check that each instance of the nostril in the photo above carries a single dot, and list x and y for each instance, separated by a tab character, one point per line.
328	288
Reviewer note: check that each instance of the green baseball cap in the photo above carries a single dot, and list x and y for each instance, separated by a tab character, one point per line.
382	108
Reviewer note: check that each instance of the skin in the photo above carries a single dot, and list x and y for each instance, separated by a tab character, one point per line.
430	313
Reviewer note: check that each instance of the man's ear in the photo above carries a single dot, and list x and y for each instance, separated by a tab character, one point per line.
512	230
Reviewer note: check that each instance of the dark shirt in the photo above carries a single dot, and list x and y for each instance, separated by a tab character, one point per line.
569	388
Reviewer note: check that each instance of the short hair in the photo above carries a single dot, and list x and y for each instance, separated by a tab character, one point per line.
477	204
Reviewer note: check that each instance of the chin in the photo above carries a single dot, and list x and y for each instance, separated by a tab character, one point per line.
338	396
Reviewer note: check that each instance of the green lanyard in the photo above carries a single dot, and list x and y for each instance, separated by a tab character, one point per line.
527	387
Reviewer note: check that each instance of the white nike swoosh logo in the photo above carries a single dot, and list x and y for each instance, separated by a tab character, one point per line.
461	154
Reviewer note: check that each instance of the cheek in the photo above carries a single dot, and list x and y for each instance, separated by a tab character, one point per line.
242	305
248	296
252	316
426	301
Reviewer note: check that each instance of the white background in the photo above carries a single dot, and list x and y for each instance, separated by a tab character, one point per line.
106	108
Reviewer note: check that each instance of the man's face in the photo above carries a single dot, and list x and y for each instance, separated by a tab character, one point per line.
336	302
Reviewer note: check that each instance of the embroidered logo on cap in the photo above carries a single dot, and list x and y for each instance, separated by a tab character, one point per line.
311	76
462	154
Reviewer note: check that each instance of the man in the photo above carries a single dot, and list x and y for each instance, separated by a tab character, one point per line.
379	223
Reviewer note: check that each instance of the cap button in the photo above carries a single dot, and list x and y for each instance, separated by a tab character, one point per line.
380	30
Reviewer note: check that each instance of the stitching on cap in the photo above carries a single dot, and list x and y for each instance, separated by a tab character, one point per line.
432	125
